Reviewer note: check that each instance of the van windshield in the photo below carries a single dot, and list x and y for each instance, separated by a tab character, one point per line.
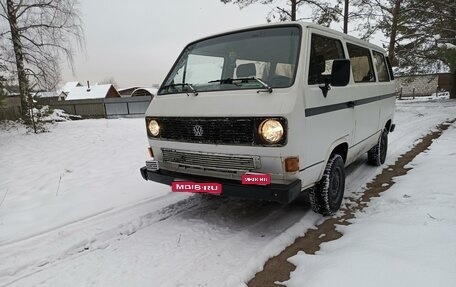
242	60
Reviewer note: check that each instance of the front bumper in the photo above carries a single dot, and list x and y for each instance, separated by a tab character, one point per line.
282	193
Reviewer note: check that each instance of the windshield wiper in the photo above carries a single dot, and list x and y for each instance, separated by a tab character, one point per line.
231	81
195	92
227	81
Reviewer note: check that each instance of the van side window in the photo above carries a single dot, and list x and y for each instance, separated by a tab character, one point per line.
380	65
390	69
361	63
323	52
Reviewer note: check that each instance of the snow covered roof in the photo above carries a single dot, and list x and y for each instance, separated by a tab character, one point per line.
69	86
127	91
144	92
95	92
47	94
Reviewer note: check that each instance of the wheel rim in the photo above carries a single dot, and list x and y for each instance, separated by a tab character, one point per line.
335	187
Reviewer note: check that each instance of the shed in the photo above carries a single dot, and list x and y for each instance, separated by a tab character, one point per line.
47	97
93	92
140	92
126	92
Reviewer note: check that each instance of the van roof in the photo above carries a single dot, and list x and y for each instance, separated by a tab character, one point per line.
303	25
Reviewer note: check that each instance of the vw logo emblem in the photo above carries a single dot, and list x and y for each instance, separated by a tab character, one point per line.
198	130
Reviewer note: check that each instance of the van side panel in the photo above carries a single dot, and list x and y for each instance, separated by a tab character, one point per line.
328	121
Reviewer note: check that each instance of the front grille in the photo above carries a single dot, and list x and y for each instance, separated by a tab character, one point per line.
236	131
210	161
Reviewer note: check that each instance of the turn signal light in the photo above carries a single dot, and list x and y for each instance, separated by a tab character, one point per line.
151	152
292	164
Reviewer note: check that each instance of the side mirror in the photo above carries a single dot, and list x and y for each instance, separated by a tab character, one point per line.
340	75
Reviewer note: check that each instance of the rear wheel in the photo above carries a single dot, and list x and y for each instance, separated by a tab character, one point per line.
326	196
377	155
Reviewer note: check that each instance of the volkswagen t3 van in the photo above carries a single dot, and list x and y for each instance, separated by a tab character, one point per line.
295	101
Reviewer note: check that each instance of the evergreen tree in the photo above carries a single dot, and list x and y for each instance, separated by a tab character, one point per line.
421	33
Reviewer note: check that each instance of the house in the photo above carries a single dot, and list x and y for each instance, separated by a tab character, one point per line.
66	89
93	92
69	86
48	97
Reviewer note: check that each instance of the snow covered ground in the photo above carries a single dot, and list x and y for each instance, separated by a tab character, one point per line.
74	210
406	237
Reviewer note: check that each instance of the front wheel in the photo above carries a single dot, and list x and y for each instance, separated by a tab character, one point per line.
377	155
326	196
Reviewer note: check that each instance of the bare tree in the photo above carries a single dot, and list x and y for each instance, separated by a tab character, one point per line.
323	12
2	90
110	81
35	34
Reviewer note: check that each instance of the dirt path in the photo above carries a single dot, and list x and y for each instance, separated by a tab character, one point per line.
278	269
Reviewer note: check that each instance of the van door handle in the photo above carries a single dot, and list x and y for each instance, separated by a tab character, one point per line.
351	104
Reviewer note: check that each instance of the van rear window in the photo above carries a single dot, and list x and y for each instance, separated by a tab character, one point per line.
380	65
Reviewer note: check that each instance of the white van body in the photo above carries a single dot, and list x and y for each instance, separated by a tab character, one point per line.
348	121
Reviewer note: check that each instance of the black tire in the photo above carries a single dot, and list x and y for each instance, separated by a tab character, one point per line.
376	156
326	196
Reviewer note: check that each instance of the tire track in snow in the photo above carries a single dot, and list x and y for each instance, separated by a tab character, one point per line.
194	208
88	233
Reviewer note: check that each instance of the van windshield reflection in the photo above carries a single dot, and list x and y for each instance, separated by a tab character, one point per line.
259	59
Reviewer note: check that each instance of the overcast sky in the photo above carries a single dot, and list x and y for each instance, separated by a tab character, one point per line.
137	41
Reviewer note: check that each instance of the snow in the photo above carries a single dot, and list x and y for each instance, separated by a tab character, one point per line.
55	115
434	97
75	211
404	238
447	45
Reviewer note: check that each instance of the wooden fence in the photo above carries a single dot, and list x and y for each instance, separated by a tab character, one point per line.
10	108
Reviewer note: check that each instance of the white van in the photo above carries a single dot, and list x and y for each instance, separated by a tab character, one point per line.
296	101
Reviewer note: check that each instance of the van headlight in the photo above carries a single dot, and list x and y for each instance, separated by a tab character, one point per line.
154	128
271	131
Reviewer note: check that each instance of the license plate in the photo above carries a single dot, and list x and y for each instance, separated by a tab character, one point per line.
196	187
256	178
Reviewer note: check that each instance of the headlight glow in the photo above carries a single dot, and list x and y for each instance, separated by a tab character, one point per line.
271	130
154	128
